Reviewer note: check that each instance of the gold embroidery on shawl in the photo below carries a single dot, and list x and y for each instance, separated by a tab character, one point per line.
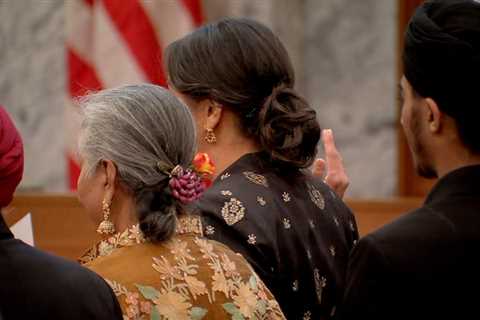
225	176
334	310
233	211
332	250
189	224
295	286
209	230
286	223
320	283
307	315
261	201
350	224
256	178
286	197
335	219
176	298
226	193
131	236
316	196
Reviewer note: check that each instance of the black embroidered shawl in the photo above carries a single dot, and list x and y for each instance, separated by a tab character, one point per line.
291	227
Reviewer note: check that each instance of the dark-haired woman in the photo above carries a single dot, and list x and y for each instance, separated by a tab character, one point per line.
135	181
237	79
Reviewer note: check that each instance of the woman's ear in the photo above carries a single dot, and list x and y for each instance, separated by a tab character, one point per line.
109	170
214	114
434	116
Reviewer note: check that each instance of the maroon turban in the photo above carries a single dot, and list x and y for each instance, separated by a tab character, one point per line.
11	158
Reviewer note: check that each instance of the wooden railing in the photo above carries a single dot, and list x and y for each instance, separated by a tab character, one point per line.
61	226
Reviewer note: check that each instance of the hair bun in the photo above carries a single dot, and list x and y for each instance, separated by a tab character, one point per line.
288	128
157	212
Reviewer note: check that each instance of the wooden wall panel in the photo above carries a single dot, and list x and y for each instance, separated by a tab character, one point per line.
61	226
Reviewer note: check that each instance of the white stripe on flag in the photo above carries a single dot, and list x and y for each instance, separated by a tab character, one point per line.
170	19
79	28
114	62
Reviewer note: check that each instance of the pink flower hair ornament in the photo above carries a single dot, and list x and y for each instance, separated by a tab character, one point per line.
187	185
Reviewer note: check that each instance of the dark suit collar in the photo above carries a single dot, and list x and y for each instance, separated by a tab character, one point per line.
460	182
5	232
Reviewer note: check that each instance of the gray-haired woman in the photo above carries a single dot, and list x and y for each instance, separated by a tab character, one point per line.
137	144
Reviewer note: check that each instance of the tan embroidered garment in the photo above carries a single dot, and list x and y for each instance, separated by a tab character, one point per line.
188	277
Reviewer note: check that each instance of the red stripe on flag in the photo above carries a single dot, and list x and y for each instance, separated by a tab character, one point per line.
89	2
73	172
81	79
81	76
195	10
136	29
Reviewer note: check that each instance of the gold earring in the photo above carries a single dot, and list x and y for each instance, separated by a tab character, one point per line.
106	227
210	136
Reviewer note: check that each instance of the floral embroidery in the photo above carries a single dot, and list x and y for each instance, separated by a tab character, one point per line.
131	236
252	239
173	305
286	197
209	230
307	315
350	224
320	283
176	297
261	201
189	224
256	178
245	300
286	223
295	286
332	250
335	219
316	196
226	192
225	176
311	223
145	307
233	211
334	310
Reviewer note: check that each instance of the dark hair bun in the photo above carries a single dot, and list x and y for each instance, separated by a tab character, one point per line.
249	65
288	128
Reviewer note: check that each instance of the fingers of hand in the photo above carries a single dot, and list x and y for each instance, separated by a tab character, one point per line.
333	158
319	168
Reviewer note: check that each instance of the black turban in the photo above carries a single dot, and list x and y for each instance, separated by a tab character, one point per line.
442	55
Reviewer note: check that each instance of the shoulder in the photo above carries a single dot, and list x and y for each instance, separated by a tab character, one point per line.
234	196
423	225
25	258
50	280
416	234
173	275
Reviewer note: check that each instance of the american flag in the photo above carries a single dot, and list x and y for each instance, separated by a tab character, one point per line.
115	42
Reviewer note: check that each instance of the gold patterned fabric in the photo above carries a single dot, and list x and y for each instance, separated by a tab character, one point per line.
291	228
187	277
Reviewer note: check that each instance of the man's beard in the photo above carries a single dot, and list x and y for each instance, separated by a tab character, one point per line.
423	166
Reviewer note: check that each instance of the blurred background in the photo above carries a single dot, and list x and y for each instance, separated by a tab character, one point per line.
345	54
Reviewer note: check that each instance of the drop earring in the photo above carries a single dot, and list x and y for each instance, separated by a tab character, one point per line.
210	136
106	226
